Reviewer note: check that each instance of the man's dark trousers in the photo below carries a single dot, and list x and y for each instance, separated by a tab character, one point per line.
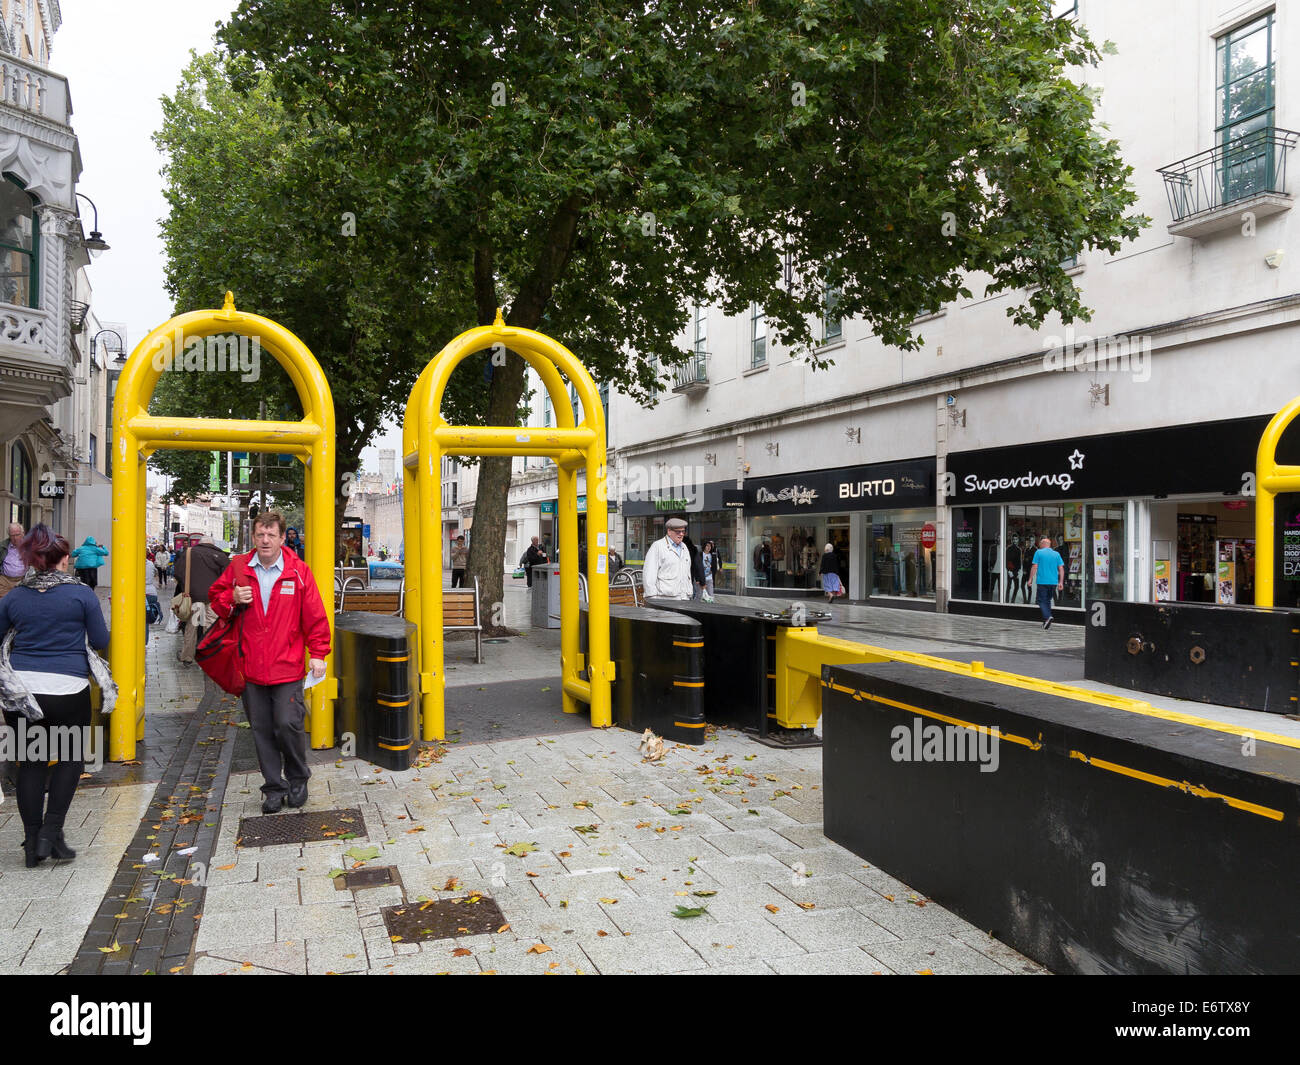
276	713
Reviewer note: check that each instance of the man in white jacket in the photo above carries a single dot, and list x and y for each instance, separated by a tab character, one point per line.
667	569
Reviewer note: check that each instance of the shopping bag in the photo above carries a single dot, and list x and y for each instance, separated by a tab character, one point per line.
219	654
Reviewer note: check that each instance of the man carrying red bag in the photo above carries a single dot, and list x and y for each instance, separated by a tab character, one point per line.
283	619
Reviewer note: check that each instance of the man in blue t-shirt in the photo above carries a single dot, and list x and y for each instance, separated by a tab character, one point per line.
1047	575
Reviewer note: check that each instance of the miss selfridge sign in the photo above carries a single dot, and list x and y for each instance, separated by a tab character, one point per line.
1213	457
883	485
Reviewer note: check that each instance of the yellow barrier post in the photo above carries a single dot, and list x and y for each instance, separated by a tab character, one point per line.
426	438
1271	479
136	434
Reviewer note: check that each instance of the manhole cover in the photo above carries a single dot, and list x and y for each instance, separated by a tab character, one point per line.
470	915
377	876
272	829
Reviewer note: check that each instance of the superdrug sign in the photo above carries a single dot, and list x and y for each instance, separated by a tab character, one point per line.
880	485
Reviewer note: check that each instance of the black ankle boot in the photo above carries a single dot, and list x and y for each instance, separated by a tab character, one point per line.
50	843
29	848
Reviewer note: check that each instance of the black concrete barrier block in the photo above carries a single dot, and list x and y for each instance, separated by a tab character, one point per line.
374	659
740	654
658	672
1232	656
1091	839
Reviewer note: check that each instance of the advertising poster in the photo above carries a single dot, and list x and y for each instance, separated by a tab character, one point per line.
1226	583
963	550
1073	521
1101	557
1163	589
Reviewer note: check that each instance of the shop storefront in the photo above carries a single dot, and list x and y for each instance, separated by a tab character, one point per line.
879	520
1152	515
710	514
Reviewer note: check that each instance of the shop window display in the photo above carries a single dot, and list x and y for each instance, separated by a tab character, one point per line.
900	563
785	552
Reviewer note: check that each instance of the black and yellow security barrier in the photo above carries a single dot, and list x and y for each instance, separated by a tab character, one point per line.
377	711
659	672
1089	837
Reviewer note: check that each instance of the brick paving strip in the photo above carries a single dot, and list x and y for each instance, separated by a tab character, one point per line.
151	909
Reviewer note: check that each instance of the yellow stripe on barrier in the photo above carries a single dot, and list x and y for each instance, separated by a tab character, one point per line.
684	643
1182	785
385	702
399	747
688	684
381	658
689	724
1033	745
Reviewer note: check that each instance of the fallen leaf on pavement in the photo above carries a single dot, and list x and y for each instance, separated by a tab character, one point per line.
461	952
537	948
772	909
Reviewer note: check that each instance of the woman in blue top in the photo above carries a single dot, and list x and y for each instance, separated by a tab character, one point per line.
87	559
51	615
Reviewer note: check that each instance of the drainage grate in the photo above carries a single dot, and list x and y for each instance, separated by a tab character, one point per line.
377	876
470	915
271	829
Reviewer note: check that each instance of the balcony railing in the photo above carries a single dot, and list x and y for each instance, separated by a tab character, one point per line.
693	374
1249	167
33	89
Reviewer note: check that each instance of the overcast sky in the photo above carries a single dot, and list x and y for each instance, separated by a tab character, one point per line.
119	59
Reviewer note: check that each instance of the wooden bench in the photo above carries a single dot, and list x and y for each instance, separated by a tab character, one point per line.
461	613
460	608
346	573
623	595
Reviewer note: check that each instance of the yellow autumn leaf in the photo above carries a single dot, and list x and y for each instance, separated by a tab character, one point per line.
111	950
806	905
609	902
772	909
539	948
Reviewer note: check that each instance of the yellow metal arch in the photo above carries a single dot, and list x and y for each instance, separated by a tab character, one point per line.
426	437
1270	479
137	434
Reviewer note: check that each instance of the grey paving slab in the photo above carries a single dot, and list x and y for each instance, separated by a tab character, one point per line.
317	921
833	891
907	918
339	953
941	956
725	944
255	895
831	929
277	957
851	962
220	931
646	953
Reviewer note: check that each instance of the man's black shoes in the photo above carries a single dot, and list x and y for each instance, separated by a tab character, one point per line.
271	804
297	794
1047	624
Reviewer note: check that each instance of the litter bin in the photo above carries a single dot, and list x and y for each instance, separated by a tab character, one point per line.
374	659
546	596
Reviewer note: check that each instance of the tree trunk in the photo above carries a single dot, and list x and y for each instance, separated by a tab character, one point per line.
487	552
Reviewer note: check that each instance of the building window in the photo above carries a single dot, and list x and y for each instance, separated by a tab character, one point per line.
1243	106
454	493
757	336
20	244
832	324
701	338
20	485
94	452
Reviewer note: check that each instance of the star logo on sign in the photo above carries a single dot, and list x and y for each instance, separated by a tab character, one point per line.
1076	460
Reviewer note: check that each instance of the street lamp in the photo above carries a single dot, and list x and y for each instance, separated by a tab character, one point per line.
95	244
108	346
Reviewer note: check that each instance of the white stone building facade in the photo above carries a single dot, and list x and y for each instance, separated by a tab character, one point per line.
1127	440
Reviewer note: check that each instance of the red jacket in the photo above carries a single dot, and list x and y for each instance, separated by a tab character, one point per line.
275	643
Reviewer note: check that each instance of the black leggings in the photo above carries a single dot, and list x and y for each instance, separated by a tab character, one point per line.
35	777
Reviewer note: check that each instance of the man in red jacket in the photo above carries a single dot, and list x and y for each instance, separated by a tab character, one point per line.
284	619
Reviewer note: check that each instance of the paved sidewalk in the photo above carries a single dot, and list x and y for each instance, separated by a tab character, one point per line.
711	861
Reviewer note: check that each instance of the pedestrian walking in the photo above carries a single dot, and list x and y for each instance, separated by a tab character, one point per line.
533	556
711	563
161	560
87	559
13	566
459	560
1047	575
197	569
830	573
283	621
152	610
666	573
697	568
48	627
294	544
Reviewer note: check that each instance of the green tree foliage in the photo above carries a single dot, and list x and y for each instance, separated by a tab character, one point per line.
596	168
259	204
